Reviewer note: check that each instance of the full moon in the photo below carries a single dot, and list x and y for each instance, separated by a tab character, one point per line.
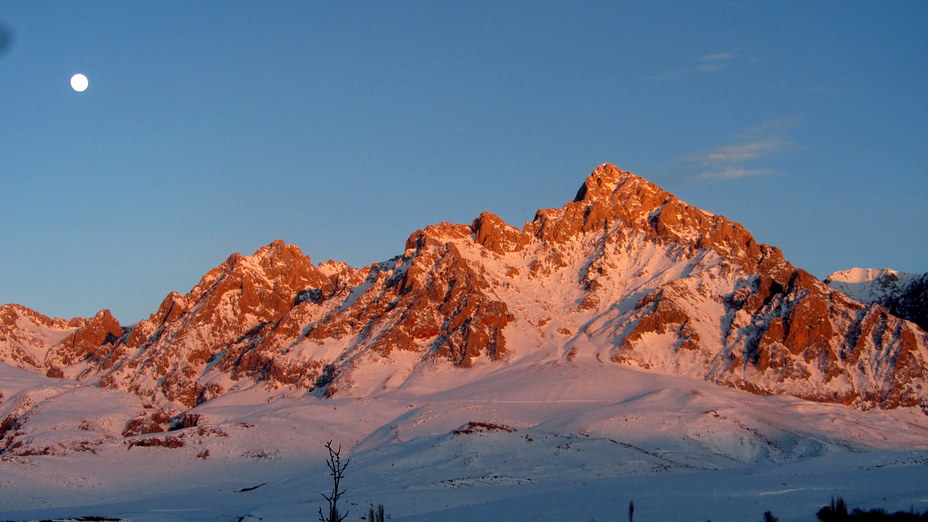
79	82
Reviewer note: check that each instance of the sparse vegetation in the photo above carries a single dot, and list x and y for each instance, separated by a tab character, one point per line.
837	511
337	469
375	516
337	472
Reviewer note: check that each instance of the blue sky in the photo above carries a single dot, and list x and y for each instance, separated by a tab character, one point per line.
216	127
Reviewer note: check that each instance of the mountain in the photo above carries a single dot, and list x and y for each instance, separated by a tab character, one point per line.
903	294
624	274
487	372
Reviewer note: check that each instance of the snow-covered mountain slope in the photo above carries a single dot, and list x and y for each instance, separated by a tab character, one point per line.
871	285
491	443
624	274
904	294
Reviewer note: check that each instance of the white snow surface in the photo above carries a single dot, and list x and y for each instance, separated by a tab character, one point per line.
871	285
559	440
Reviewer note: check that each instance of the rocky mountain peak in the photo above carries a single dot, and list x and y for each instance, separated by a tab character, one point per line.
90	343
437	234
491	232
611	199
601	183
864	275
280	254
231	302
611	185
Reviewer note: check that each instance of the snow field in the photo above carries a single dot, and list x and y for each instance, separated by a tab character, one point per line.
533	440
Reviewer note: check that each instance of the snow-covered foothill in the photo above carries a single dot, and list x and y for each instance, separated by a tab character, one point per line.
538	440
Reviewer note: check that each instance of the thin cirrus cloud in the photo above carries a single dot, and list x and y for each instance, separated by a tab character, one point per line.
704	64
739	160
732	173
717	57
713	62
742	152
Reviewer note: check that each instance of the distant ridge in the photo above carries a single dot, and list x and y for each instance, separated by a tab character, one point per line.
904	294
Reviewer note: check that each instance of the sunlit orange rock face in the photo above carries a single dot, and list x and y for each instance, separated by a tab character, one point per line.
813	335
495	235
169	352
92	341
430	301
625	267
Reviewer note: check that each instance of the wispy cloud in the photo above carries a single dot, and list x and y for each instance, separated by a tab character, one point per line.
717	57
745	155
710	67
704	64
732	173
733	153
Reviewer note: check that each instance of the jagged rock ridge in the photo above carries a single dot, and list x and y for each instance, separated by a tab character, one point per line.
625	273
